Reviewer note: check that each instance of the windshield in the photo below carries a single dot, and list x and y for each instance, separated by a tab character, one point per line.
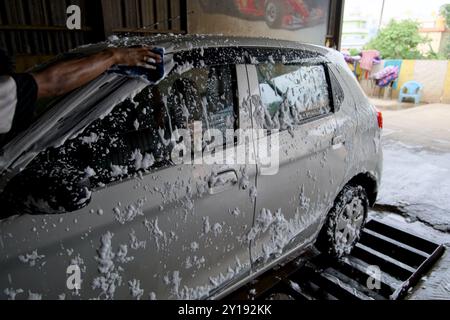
68	115
149	75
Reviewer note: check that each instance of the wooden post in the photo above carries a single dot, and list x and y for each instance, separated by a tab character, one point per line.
335	21
95	19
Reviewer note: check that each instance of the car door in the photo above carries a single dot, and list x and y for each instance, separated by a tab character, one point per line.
153	229
294	102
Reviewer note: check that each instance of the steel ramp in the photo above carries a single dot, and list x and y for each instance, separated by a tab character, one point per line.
385	265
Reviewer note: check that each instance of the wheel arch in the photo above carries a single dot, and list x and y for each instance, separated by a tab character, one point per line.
369	183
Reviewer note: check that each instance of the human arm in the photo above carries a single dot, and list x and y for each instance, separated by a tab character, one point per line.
68	75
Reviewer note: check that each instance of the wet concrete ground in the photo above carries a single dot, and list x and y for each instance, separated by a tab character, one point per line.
415	191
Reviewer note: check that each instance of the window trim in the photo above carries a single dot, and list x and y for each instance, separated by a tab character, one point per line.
332	86
198	60
237	56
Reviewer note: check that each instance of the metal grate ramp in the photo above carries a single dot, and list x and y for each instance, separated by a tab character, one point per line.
385	264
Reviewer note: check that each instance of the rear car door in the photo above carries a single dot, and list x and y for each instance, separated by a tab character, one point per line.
294	102
154	228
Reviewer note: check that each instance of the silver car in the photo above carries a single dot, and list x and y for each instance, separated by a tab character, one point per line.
244	152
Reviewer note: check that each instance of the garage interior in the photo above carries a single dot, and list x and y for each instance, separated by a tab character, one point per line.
35	30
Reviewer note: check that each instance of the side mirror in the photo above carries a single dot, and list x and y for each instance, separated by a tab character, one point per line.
38	191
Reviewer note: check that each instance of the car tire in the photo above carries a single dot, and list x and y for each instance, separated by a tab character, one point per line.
345	222
274	14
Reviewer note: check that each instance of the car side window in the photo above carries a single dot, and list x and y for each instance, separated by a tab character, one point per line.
204	95
136	137
133	137
291	94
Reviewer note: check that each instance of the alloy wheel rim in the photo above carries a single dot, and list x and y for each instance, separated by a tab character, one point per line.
349	223
271	12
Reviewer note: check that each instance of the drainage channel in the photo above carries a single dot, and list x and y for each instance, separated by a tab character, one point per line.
385	265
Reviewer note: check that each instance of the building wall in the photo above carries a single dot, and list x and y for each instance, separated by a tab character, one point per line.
435	38
433	74
143	16
355	34
445	41
438	34
406	74
446	96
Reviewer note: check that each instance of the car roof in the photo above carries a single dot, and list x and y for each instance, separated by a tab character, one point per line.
188	42
177	43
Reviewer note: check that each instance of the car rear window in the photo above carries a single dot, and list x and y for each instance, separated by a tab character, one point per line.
291	94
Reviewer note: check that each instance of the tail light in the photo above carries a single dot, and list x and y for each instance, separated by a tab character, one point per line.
380	118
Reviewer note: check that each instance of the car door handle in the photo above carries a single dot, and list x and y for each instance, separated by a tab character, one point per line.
223	181
338	140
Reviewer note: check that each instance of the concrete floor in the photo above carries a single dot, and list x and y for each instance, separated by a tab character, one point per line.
416	180
427	126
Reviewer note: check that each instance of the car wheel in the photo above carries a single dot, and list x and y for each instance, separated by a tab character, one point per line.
345	222
274	14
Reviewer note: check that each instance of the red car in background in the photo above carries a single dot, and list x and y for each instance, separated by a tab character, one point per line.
287	14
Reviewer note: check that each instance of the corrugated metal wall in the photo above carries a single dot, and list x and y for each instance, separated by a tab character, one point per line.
34	30
38	27
144	16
